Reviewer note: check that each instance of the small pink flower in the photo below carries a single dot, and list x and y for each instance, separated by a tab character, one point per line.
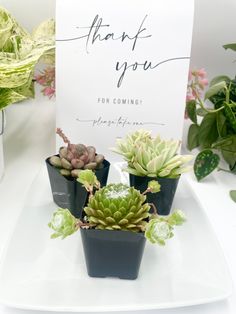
201	73
203	83
194	93
48	91
189	97
46	78
40	79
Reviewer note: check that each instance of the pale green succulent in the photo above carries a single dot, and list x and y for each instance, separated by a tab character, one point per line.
177	218
160	229
126	147
152	156
154	186
19	53
88	179
63	223
117	207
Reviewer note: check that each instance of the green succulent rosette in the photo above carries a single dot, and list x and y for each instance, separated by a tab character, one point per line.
63	223
154	186
19	53
159	229
118	207
88	179
152	156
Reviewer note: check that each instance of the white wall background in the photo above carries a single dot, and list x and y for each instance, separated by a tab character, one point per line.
214	25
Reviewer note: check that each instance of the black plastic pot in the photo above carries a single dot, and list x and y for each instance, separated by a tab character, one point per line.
162	200
113	253
68	193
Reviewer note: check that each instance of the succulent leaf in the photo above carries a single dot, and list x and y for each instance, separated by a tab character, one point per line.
122	206
55	161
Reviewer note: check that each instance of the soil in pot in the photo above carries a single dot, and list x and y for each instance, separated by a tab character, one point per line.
68	193
162	200
113	253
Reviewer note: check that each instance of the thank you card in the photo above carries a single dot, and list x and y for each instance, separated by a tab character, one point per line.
122	65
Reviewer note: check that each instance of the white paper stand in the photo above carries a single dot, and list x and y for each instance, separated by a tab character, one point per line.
121	65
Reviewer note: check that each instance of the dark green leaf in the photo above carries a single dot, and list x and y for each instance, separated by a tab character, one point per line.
208	132
232	194
230	46
228	143
218	79
230	116
230	158
227	146
221	124
205	162
193	136
191	110
214	89
233	168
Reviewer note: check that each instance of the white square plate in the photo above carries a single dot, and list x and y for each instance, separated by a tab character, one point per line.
43	274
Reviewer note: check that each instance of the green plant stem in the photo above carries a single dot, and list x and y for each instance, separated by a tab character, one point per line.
225	170
201	103
146	191
227	94
154	208
82	224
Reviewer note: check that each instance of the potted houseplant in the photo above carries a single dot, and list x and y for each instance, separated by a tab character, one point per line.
64	168
152	158
20	51
114	227
213	128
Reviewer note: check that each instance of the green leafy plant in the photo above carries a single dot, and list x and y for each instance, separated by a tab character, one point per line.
151	156
213	126
75	157
19	54
117	207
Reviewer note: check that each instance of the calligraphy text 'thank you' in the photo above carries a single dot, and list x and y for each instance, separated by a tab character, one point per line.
96	32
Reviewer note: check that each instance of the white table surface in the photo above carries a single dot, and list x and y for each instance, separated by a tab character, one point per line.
29	138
